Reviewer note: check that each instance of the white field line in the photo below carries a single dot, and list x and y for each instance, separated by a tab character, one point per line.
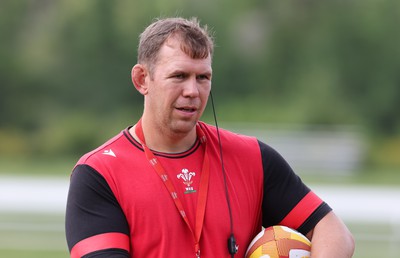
33	194
363	204
351	203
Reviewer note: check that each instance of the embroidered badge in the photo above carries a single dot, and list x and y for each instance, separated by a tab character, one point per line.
187	180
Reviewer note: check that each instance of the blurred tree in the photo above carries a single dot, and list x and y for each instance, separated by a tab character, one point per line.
330	62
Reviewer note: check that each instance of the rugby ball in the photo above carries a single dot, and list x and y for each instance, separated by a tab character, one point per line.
279	242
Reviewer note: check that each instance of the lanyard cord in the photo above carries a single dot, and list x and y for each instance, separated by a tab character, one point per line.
232	247
203	191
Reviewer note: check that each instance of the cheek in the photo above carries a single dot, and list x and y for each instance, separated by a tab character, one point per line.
155	101
164	98
204	93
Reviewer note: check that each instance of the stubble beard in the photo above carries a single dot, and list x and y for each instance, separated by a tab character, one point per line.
180	127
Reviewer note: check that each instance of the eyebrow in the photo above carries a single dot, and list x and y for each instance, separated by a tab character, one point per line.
178	71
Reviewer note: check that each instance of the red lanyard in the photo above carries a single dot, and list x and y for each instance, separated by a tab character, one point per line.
202	194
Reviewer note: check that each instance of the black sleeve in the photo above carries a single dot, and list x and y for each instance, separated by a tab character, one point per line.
283	190
92	209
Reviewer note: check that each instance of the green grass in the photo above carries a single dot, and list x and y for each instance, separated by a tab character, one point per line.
32	235
42	235
39	235
375	240
33	254
30	166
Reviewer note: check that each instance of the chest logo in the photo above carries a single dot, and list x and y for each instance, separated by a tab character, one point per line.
187	178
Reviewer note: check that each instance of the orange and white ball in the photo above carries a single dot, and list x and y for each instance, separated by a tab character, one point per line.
279	242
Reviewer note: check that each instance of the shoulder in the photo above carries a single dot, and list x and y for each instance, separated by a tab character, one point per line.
236	148
110	157
102	149
112	150
227	136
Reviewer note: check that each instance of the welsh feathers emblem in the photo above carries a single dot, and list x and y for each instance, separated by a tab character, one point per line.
187	180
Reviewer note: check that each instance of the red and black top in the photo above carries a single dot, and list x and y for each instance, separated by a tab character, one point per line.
118	206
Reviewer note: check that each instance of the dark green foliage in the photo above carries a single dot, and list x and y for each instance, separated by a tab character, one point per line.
65	66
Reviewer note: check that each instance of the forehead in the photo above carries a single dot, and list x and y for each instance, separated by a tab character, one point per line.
171	56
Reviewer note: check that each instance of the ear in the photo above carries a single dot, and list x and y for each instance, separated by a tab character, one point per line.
139	76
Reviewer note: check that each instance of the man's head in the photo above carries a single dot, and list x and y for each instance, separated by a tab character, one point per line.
196	41
174	75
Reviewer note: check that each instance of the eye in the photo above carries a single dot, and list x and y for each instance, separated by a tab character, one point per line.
203	77
179	76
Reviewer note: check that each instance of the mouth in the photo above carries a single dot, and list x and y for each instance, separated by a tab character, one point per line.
187	109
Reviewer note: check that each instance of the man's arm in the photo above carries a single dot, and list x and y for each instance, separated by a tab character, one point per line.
95	224
331	238
287	200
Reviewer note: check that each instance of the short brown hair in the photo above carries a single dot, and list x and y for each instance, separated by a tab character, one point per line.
196	41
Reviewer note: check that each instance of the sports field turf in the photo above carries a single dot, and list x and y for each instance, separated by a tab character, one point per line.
42	236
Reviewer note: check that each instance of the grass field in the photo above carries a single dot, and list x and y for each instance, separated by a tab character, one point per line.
42	236
32	235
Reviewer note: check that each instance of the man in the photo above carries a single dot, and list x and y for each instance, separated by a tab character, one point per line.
172	186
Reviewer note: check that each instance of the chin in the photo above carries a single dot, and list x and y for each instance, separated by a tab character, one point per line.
183	127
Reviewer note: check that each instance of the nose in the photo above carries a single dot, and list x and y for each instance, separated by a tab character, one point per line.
191	88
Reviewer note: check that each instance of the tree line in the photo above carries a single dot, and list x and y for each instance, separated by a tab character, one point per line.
65	66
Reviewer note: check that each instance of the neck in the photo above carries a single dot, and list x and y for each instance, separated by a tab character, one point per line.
165	141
